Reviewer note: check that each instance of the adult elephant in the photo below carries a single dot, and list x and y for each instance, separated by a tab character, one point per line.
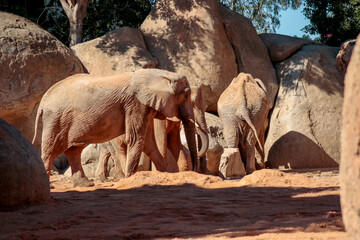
243	109
167	136
83	109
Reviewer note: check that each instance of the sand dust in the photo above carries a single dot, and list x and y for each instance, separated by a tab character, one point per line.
267	204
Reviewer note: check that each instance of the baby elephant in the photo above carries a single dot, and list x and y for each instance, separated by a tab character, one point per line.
243	109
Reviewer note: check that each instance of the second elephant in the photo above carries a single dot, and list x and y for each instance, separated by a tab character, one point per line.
243	108
167	136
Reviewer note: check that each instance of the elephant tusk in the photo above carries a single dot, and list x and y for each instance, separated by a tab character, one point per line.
192	121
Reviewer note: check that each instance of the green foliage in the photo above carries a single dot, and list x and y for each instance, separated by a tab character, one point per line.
102	17
264	14
30	9
335	20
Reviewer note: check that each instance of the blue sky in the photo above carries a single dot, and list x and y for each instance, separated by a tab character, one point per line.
292	21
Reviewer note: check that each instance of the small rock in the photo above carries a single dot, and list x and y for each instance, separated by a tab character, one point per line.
231	165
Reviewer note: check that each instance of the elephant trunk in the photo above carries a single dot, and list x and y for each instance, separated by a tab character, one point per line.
189	129
201	130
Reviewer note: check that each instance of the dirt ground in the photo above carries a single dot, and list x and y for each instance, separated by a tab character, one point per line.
268	204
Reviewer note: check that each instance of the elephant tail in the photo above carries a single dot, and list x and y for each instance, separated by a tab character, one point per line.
37	119
243	111
251	125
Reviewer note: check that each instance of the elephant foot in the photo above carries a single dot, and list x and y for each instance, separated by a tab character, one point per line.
81	181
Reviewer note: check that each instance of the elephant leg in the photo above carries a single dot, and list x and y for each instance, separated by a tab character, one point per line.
260	155
50	147
133	157
182	158
48	156
119	157
231	133
152	151
160	134
250	152
78	176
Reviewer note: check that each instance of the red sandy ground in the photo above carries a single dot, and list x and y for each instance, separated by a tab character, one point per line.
267	204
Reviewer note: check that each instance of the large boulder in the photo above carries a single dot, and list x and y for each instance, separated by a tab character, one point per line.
350	148
31	61
251	54
344	55
188	36
23	179
122	50
282	47
305	123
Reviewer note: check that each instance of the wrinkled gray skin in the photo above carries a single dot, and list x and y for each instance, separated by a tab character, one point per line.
243	109
83	109
167	135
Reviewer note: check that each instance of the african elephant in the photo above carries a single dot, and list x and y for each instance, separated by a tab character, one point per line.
167	135
84	109
243	109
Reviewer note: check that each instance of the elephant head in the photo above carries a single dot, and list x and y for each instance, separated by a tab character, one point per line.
169	94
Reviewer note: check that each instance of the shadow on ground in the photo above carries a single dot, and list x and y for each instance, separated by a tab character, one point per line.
183	211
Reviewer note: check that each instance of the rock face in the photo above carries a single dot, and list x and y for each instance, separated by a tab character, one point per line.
350	148
305	123
231	165
31	60
251	54
344	55
282	47
188	37
122	50
23	179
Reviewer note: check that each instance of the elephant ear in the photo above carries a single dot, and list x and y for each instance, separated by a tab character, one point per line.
156	89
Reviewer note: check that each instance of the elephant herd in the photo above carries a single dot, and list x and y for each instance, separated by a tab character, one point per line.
142	111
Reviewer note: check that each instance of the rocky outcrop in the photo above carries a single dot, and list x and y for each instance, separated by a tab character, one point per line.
122	50
305	123
251	54
350	148
344	55
31	60
23	179
188	37
282	47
